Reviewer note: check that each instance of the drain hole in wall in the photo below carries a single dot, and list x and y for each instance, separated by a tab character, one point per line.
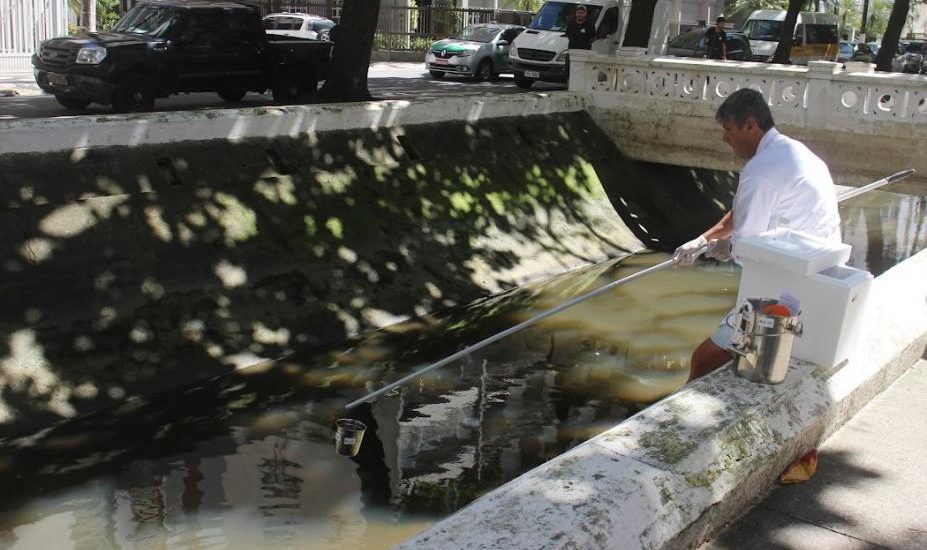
277	162
408	148
169	170
524	135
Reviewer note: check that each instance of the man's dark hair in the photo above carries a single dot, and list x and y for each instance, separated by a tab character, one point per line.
743	104
720	19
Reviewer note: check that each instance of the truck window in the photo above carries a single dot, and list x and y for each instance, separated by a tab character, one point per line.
244	25
205	25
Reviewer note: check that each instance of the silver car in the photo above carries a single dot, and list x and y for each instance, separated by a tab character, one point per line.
478	51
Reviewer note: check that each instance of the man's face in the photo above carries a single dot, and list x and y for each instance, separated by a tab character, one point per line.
580	16
719	24
743	139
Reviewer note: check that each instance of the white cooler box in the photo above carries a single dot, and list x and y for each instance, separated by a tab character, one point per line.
833	296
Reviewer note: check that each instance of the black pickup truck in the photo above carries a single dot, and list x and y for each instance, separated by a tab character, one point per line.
164	47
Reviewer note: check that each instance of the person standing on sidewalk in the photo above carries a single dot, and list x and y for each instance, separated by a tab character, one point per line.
783	184
716	41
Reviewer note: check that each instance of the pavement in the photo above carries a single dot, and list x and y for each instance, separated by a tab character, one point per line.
18	84
869	489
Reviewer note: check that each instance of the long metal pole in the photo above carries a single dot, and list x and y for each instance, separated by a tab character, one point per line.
582	298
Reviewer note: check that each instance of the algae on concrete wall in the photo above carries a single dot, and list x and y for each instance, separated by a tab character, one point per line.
131	270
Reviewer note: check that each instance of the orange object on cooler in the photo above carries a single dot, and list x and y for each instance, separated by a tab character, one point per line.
778	310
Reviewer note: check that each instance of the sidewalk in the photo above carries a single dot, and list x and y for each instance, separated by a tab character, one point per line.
869	491
18	84
23	83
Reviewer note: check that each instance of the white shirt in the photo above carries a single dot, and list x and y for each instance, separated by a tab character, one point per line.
785	185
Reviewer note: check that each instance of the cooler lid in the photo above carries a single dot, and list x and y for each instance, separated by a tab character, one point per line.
791	250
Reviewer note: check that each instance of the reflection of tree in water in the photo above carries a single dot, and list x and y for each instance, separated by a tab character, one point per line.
280	495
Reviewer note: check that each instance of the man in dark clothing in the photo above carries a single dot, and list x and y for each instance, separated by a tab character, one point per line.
716	41
580	31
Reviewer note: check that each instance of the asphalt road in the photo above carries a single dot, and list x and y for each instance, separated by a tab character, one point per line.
385	80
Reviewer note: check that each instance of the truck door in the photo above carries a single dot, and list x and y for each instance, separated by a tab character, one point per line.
607	35
201	56
246	42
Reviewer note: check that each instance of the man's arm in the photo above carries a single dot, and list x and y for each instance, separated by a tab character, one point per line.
721	230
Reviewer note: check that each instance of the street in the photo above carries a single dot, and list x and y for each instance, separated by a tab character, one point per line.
386	80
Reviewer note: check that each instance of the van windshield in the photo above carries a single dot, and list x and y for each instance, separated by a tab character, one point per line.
554	16
763	29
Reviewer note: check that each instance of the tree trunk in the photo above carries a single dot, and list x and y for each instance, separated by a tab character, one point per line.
784	49
89	15
347	80
640	21
892	34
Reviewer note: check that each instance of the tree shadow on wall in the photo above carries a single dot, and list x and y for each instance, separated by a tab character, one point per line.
127	271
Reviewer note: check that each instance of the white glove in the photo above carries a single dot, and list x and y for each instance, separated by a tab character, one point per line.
719	249
687	253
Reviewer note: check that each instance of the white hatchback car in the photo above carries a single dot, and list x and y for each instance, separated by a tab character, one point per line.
299	25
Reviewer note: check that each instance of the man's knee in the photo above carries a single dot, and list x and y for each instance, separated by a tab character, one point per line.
706	358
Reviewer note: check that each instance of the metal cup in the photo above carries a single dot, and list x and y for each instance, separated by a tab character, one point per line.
348	436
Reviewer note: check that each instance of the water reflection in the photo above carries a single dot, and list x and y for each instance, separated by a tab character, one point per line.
248	461
884	228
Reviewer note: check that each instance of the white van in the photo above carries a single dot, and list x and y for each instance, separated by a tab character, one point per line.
815	36
540	52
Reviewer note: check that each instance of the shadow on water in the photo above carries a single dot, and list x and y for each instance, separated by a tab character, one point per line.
129	270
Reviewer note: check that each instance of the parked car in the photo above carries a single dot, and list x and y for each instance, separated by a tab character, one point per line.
479	51
846	51
692	44
177	46
864	53
299	25
910	57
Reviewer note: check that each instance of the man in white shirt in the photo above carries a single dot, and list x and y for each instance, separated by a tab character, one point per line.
783	184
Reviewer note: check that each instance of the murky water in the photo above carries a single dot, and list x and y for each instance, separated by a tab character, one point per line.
248	461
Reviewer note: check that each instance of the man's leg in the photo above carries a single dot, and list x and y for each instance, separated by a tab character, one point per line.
708	356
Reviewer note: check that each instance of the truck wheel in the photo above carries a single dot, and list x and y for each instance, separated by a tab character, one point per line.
483	71
232	95
523	83
133	94
71	103
437	75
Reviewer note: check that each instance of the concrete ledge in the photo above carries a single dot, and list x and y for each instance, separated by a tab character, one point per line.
403	56
63	134
675	473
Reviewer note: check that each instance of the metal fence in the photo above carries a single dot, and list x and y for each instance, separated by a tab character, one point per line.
405	28
25	23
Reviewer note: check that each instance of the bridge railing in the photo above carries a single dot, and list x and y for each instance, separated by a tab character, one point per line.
822	94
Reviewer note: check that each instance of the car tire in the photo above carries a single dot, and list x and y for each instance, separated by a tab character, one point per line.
437	75
133	94
483	71
71	103
232	95
523	83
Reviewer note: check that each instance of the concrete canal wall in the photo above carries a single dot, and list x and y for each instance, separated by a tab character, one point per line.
219	240
865	125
